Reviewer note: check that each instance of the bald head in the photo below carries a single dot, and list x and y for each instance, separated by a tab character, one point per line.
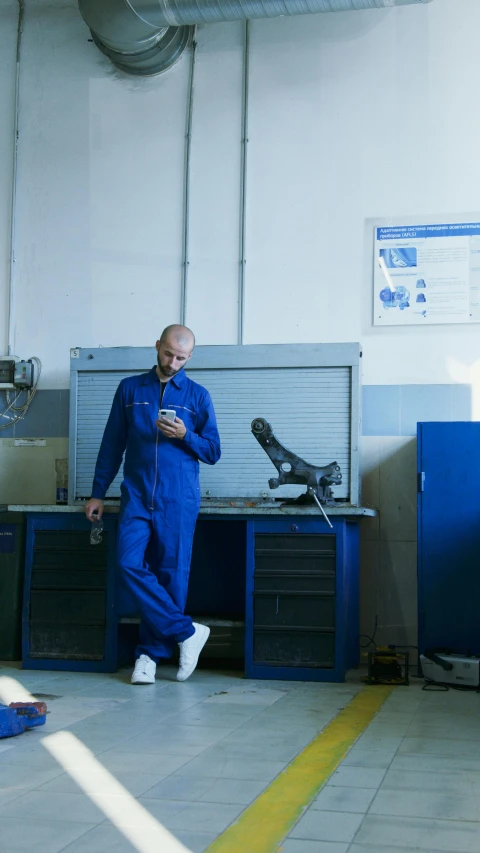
174	349
177	334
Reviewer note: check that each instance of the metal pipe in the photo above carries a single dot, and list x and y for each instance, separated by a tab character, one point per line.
186	188
321	508
146	36
123	31
243	183
11	283
165	13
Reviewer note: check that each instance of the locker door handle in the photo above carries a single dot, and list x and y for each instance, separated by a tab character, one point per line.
421	481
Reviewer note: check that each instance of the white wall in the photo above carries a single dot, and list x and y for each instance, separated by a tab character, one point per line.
352	116
355	116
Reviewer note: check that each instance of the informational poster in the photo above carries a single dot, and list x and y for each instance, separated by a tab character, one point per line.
426	273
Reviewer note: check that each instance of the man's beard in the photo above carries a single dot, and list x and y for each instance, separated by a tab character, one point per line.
165	371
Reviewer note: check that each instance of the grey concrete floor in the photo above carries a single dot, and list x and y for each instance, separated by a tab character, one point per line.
195	755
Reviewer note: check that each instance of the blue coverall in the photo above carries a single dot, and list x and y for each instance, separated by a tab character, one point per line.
160	498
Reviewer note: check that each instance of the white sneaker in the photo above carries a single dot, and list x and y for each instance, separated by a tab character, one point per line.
190	651
144	672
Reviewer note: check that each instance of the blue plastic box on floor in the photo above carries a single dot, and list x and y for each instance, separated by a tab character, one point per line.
19	716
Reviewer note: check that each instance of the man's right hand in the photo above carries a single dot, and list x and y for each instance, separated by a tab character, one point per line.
94	509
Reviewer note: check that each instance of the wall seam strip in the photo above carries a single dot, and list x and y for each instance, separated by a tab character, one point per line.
11	284
187	181
243	185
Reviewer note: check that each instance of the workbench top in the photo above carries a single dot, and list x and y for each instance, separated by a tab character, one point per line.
224	506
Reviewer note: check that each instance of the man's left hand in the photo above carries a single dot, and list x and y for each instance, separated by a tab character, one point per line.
172	429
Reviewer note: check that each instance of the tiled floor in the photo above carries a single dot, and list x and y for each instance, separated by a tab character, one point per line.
195	755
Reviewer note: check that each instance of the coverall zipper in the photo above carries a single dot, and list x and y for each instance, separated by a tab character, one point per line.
156	450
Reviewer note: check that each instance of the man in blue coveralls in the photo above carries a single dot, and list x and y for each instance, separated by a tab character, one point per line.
160	497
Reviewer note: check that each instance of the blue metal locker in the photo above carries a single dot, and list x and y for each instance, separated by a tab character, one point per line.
449	536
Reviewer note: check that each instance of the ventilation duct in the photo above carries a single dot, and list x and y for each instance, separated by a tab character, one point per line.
145	37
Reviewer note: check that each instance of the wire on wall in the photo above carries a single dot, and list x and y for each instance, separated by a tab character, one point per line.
186	185
243	184
11	287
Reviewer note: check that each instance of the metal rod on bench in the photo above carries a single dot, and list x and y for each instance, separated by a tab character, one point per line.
312	492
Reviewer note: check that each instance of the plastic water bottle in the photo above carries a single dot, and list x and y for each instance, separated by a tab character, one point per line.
96	532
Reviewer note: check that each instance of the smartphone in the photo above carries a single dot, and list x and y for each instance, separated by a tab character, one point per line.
170	414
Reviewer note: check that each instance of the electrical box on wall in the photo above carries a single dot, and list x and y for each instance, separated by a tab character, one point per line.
15	373
23	376
7	372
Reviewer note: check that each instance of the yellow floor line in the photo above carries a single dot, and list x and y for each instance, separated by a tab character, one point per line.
264	824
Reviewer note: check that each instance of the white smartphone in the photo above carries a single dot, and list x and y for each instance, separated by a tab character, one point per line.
170	414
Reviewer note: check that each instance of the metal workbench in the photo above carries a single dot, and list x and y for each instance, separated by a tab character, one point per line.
279	571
